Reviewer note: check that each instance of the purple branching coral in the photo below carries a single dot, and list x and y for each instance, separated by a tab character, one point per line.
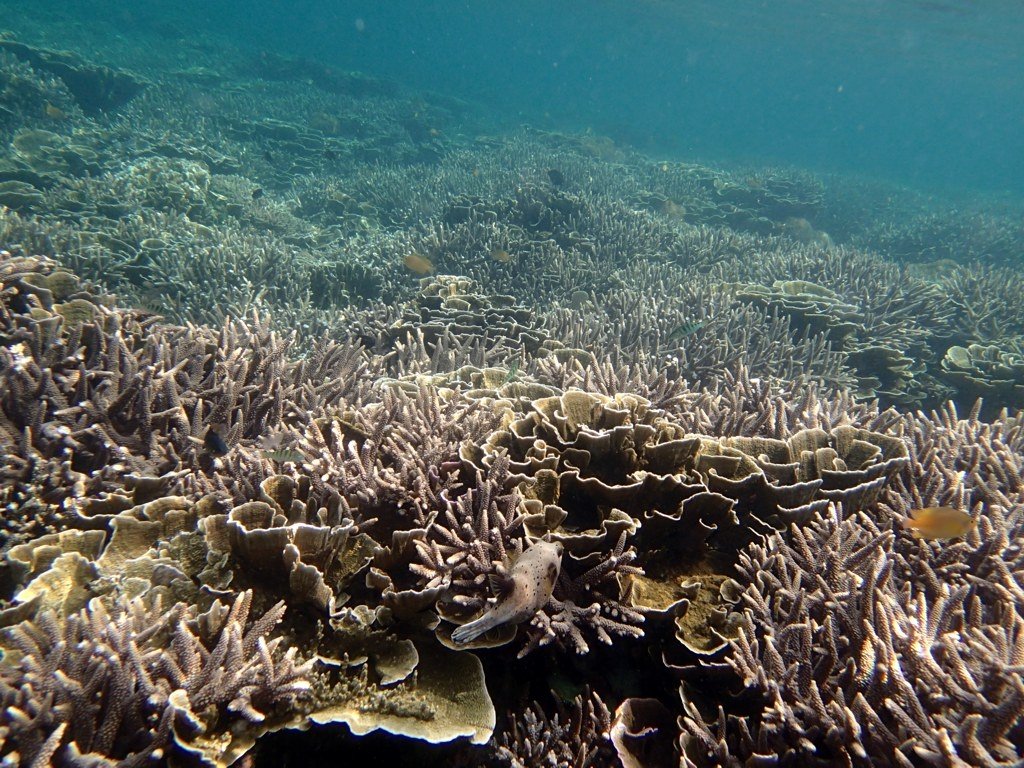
575	735
481	532
135	682
588	602
850	662
864	646
385	457
474	534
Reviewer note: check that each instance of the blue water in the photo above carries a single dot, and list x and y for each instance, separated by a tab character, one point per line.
928	93
924	92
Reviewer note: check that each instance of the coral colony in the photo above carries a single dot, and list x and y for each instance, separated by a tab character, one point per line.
328	419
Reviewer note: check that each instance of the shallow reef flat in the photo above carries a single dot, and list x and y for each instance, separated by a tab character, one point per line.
297	365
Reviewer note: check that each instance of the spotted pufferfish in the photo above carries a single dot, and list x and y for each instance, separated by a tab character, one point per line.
524	591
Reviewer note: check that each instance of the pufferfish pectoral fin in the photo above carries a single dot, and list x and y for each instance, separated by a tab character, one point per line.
501	584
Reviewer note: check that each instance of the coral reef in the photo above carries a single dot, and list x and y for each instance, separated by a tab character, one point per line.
929	236
380	509
302	373
137	682
887	325
95	88
599	473
867	668
575	735
859	647
292	215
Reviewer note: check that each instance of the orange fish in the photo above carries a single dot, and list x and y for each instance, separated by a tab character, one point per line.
935	523
501	255
421	265
55	113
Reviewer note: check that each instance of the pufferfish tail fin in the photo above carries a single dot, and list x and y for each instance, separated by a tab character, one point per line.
467	633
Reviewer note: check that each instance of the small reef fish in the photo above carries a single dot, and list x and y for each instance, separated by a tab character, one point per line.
421	265
501	255
673	209
578	299
556	177
686	329
803	231
284	455
214	441
55	113
936	523
511	373
524	591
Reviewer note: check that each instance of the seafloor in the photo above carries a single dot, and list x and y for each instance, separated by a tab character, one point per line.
295	363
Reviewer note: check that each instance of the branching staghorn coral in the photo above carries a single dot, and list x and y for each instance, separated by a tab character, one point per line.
844	659
887	323
384	457
576	735
99	399
696	332
480	533
929	235
985	299
477	531
580	605
738	404
88	402
134	683
743	405
976	466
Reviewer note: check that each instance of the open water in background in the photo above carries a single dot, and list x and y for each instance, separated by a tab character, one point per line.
926	92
